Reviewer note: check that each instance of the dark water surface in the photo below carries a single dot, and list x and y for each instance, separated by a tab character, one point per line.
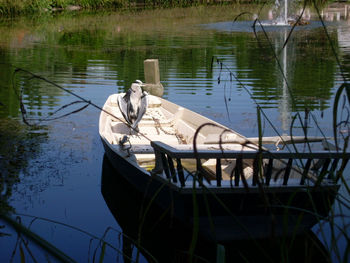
54	171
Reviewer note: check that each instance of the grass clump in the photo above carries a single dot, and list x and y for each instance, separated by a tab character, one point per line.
16	7
10	7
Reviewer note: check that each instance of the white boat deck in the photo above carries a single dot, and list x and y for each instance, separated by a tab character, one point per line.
175	127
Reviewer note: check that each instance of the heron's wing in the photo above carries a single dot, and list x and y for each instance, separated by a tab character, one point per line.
141	110
123	107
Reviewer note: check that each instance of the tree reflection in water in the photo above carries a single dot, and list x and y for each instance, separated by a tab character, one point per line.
18	144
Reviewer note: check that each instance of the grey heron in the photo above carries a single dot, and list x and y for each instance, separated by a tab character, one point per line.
133	104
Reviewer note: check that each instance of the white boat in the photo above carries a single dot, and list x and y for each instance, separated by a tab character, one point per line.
207	174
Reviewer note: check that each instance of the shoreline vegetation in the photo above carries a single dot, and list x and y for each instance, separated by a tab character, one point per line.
29	7
22	7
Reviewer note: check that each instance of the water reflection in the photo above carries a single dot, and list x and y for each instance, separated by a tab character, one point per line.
284	106
77	57
336	11
160	236
18	146
162	239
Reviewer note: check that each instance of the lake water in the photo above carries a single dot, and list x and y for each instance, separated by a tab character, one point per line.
54	171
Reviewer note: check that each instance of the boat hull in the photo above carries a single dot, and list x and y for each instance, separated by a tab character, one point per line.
234	214
228	210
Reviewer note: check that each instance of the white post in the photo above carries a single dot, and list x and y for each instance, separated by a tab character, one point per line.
152	77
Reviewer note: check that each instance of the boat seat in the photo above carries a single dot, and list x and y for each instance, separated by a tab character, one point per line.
225	138
141	145
210	147
140	140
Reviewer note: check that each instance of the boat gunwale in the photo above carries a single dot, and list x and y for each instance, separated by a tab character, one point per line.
229	187
248	154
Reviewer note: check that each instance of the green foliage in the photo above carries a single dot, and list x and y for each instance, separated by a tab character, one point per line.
89	4
13	7
62	3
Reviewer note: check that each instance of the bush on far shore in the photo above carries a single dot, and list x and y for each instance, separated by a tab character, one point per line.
15	7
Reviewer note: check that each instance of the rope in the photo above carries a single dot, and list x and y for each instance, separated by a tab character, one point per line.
158	127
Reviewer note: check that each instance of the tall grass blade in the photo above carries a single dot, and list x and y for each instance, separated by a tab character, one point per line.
48	247
195	221
21	252
103	251
220	254
337	97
